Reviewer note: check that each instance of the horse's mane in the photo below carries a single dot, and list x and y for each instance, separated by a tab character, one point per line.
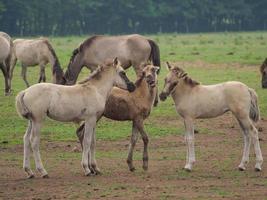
56	67
182	74
76	51
96	74
264	65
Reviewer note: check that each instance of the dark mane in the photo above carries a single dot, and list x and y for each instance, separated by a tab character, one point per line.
56	67
75	52
182	74
263	66
88	42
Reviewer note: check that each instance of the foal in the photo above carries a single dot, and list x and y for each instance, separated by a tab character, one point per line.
136	106
193	100
81	102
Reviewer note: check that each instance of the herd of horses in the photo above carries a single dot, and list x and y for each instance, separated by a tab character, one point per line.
108	92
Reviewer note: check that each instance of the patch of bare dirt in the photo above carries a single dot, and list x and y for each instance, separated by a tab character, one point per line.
219	146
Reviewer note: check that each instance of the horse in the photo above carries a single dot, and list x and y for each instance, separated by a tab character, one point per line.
263	70
35	52
132	50
5	56
195	101
81	102
136	106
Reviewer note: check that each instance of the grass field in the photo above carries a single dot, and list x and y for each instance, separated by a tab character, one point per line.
208	58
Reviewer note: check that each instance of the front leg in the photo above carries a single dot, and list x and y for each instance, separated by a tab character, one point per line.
89	126
189	138
133	141
93	165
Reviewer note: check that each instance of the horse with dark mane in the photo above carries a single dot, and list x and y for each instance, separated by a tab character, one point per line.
131	50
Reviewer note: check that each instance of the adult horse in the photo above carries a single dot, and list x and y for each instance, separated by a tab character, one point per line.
81	102
35	52
195	101
5	56
131	50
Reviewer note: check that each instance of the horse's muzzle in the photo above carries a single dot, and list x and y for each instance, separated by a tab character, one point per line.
130	87
163	96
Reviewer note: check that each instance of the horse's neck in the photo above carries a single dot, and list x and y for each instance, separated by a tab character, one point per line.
182	91
73	70
105	83
146	92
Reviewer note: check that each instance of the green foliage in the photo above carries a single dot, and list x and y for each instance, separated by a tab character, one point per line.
78	17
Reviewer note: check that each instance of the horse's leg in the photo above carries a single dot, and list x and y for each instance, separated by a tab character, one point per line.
42	74
247	142
140	126
35	143
12	67
253	133
189	137
133	141
89	126
6	76
27	151
23	74
92	156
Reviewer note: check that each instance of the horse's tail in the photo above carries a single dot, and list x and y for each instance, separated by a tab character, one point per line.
22	109
155	53
56	68
254	112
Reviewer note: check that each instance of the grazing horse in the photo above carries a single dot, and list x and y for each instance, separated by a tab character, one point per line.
132	50
35	52
136	106
263	70
5	56
193	100
82	102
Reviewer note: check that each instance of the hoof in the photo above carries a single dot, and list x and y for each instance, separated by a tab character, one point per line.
241	168
45	176
132	169
187	169
257	169
30	176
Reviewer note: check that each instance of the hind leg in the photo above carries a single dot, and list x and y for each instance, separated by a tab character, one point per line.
27	151
35	143
23	74
247	142
42	74
248	126
6	76
133	141
140	126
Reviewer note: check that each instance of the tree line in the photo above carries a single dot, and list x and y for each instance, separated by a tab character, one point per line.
77	17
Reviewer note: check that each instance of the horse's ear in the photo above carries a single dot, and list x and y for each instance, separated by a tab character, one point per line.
157	68
168	66
116	62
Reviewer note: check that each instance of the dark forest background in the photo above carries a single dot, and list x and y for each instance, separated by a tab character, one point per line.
78	17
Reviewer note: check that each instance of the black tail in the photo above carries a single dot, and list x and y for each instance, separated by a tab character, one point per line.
155	53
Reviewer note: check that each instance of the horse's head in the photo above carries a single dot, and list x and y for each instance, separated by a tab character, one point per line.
171	80
263	70
121	79
150	72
